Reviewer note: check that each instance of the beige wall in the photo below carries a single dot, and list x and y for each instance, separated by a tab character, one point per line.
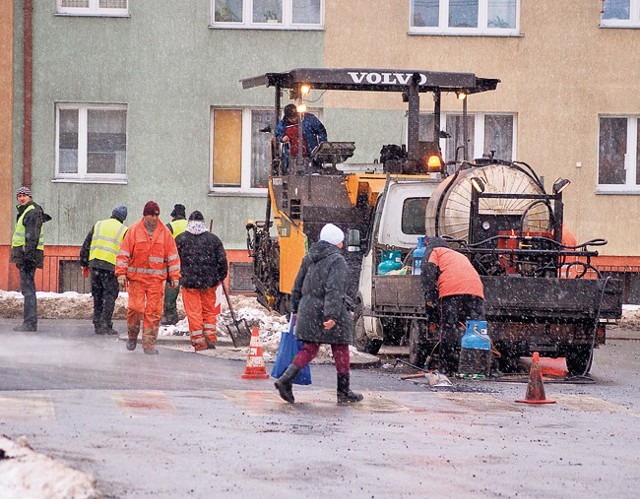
6	118
558	77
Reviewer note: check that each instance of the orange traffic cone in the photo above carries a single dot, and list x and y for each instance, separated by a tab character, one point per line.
255	368
535	388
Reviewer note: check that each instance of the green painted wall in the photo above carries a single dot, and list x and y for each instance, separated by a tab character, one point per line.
170	68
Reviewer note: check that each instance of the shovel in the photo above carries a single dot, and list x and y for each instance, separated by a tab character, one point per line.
240	333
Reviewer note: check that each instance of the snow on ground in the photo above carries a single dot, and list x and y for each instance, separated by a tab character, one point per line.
25	474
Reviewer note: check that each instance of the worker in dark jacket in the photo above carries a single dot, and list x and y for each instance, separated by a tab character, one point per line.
203	268
27	252
177	226
318	300
449	276
98	253
288	133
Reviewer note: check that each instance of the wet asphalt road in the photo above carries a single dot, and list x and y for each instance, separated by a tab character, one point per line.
185	425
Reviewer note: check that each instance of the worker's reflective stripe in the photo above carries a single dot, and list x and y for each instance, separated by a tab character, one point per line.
121	264
174	267
107	237
209	326
124	253
147	271
156	259
20	234
172	257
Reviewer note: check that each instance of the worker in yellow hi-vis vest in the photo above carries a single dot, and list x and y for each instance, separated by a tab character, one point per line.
98	253
177	226
27	252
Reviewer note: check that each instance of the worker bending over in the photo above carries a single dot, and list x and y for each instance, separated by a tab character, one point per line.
449	277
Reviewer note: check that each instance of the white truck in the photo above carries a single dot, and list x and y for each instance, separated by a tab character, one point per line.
541	293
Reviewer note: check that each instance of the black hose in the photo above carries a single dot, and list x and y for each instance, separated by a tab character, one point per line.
595	328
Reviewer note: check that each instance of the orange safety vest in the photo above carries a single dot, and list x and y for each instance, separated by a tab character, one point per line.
148	258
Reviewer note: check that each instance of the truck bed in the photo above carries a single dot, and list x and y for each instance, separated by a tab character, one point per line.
506	298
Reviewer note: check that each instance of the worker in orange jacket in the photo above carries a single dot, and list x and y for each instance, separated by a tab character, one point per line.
449	277
147	257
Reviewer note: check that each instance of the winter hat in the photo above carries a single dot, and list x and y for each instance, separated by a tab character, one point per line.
196	215
119	213
24	190
290	110
151	208
332	234
178	211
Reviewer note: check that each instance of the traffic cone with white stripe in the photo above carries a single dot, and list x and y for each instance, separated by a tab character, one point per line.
255	368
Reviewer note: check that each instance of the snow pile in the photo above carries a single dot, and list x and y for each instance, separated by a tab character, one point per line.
72	305
29	475
630	315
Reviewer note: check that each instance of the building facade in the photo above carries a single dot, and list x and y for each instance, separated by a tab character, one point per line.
132	101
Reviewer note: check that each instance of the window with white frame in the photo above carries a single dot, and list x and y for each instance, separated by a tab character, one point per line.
620	13
114	8
240	150
487	134
465	17
619	154
268	14
91	142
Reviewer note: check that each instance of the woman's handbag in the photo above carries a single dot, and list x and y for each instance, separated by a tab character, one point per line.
287	350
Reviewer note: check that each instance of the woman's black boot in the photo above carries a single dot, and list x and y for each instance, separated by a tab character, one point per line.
345	395
285	383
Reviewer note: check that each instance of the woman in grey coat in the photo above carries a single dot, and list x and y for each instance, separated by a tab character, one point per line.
318	302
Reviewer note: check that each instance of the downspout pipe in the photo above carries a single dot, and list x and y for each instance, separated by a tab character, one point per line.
27	92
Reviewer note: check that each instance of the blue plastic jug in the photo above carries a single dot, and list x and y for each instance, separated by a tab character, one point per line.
476	336
391	260
475	351
418	255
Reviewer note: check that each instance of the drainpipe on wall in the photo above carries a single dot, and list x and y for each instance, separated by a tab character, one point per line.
28	86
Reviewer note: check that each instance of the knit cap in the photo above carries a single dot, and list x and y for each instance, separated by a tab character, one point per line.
196	215
178	211
119	213
151	208
332	234
24	190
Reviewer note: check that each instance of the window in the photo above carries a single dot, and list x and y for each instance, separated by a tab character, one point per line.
241	277
91	142
413	215
114	8
619	154
485	133
241	152
620	14
465	17
268	14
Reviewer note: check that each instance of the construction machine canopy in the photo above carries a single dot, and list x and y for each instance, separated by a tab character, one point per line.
410	83
375	80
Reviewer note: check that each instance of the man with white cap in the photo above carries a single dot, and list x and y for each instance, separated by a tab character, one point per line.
318	300
27	252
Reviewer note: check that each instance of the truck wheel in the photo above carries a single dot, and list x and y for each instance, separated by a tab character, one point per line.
417	343
579	360
362	342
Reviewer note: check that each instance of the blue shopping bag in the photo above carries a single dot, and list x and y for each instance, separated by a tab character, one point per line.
287	350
